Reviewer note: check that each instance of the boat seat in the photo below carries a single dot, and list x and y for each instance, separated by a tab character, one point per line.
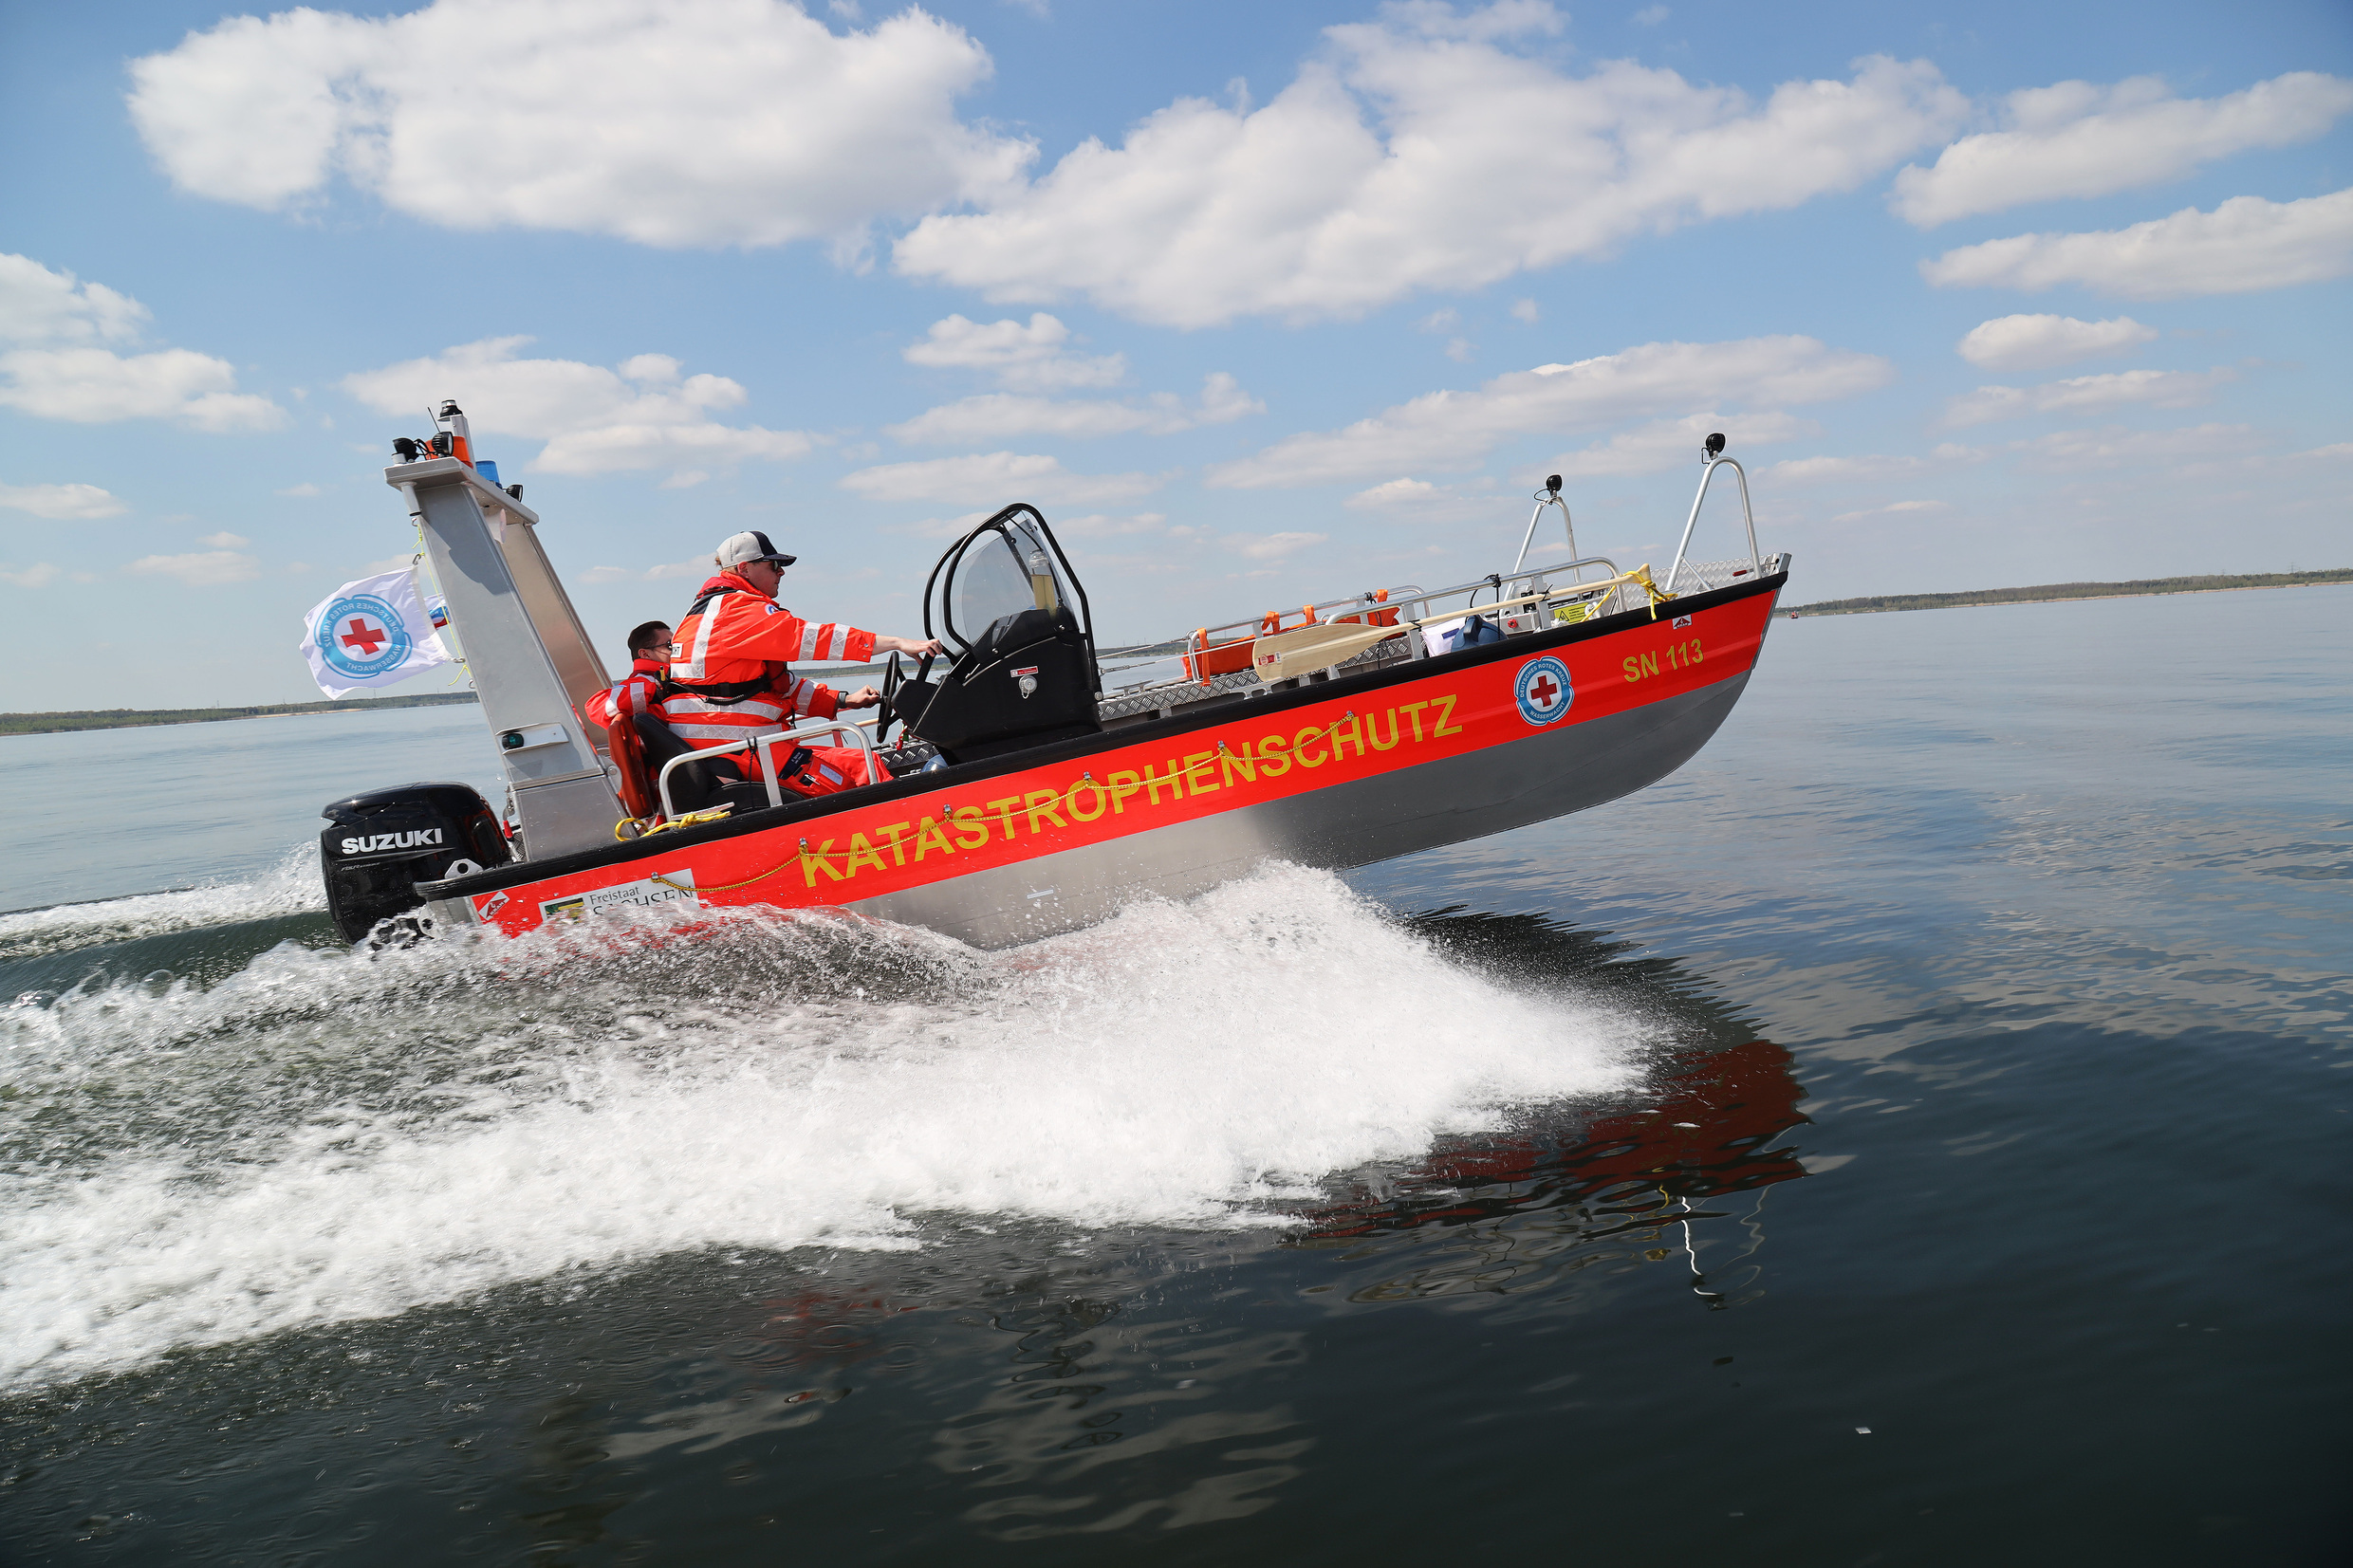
697	786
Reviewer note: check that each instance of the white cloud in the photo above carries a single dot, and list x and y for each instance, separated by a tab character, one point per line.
593	420
997	415
57	371
97	387
1419	501
669	122
2077	138
1004	475
1894	509
60	503
1526	310
1416	152
1868	467
41	306
1667	444
2243	245
1031	358
1455	429
2039	343
2086	393
37	576
2115	446
300	493
1649	16
225	540
1269	546
210	569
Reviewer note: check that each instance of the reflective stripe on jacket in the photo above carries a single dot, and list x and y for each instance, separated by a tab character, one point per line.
737	634
640	693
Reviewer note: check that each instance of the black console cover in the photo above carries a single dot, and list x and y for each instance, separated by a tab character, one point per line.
1025	682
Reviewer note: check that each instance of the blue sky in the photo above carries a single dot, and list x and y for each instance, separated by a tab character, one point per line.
1261	304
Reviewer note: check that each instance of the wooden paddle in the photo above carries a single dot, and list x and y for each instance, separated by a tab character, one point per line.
1305	649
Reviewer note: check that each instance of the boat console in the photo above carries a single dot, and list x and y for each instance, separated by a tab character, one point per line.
1021	670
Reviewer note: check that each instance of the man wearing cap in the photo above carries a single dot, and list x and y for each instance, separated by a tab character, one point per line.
731	673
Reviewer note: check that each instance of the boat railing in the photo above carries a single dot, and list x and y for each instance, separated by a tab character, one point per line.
1224	648
765	748
1715	460
1548	496
1531	590
1521	600
1382	606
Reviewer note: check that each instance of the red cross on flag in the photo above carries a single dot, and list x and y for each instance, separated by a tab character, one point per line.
363	633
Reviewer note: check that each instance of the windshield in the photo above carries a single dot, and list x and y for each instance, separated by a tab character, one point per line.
1001	575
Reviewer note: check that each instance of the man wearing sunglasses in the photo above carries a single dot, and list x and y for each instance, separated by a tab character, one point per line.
731	671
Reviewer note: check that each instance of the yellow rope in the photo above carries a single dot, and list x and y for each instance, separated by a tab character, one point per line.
716	814
726	887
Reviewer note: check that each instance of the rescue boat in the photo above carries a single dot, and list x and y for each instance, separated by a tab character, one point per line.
1032	781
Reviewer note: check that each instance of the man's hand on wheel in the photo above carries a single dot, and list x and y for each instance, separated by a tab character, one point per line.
865	696
914	647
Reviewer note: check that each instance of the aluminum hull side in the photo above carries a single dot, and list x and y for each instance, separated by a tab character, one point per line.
1549	773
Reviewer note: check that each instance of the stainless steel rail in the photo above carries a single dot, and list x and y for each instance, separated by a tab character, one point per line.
766	746
1545	498
1756	562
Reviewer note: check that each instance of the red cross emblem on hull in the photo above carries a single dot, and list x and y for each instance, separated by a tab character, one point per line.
365	638
1543	690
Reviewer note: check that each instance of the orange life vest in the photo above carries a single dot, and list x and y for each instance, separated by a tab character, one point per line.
637	694
736	635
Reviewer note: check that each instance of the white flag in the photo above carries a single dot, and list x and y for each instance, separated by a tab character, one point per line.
371	633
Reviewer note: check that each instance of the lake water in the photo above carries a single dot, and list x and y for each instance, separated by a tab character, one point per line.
1914	1134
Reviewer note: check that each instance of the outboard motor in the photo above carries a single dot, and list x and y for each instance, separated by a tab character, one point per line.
386	841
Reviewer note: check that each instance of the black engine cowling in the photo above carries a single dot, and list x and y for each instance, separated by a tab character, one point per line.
386	841
1029	680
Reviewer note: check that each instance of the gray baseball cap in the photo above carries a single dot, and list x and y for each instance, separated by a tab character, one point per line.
736	549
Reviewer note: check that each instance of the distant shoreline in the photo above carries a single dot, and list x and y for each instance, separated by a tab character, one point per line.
2054	593
134	718
2070	592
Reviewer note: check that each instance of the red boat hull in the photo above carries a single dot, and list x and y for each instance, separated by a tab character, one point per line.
1340	773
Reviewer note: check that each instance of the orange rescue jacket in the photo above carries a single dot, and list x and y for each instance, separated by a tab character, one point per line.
640	693
732	679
